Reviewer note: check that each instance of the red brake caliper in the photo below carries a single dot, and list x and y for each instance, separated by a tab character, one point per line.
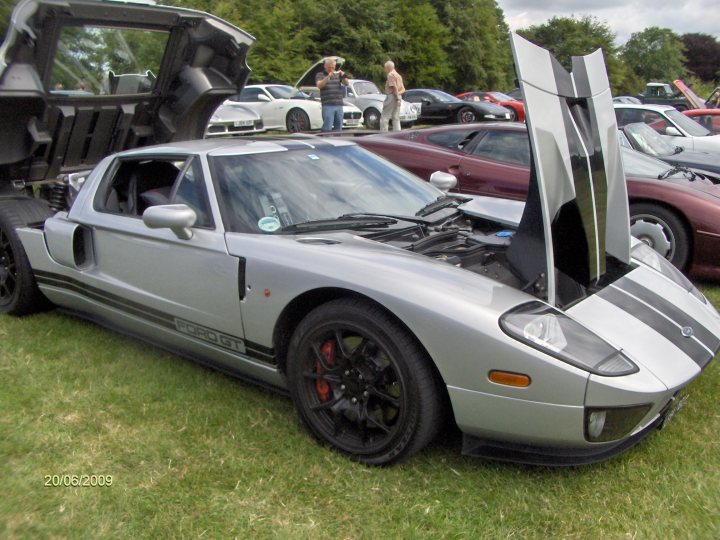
321	385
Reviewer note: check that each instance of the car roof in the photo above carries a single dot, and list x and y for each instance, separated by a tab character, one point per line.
656	108
236	146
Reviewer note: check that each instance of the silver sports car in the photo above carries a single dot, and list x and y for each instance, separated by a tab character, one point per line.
381	304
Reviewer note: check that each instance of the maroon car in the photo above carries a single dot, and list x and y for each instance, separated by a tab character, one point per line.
676	211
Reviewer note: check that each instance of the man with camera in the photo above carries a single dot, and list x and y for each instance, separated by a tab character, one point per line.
331	95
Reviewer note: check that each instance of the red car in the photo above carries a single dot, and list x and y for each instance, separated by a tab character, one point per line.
676	212
708	118
518	107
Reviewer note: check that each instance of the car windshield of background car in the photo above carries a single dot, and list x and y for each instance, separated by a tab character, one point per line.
690	126
365	87
93	60
501	97
285	92
261	193
648	141
443	97
638	164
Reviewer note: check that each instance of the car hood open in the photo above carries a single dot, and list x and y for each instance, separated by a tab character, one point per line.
49	130
577	208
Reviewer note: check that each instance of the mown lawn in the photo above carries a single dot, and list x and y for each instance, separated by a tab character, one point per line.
193	453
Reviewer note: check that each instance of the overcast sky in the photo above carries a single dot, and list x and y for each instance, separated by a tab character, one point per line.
622	16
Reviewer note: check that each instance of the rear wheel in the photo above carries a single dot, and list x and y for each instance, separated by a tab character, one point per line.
297	120
19	293
371	118
662	230
466	116
361	384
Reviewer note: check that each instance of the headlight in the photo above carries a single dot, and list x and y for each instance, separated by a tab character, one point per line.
552	332
612	423
648	256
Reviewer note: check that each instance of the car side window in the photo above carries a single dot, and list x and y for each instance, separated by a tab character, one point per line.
655	121
413	98
453	140
249	94
136	185
190	190
507	146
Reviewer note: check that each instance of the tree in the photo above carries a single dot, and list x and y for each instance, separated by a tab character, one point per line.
421	56
655	54
479	47
702	56
566	37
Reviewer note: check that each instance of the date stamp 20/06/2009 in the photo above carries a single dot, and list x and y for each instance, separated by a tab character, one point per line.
78	480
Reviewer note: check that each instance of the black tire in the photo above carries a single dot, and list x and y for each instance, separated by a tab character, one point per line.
513	115
466	115
663	231
371	118
297	120
19	293
361	384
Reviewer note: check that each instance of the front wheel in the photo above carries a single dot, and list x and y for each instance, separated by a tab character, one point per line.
371	118
466	116
662	230
297	120
361	384
19	293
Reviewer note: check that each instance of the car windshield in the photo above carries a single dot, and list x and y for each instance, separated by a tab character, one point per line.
501	97
265	192
365	87
647	140
285	92
690	126
443	97
638	164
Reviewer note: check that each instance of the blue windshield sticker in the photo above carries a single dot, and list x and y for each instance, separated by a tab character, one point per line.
269	224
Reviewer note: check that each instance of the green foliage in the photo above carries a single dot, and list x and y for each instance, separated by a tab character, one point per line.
196	454
655	54
566	37
479	49
702	56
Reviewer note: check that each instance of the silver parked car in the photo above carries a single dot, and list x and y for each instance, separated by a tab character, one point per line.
380	303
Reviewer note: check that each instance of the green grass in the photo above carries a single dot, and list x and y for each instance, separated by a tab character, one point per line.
196	454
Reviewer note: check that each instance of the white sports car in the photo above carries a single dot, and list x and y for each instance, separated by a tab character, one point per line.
233	119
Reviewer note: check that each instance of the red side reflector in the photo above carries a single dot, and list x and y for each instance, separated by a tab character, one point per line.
508	378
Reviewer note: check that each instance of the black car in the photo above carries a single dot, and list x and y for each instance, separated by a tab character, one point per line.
438	107
645	139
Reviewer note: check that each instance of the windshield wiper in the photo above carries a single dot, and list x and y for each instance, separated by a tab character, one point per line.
342	222
670	172
442	202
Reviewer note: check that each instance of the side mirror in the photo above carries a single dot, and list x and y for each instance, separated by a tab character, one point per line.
672	132
176	217
263	97
443	181
426	101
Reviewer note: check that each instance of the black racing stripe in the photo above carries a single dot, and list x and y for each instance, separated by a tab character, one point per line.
657	322
117	302
254	350
700	331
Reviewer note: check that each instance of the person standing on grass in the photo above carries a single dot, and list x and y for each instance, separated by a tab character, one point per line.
394	89
330	83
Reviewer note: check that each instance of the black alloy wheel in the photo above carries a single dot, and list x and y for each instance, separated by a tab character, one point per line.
19	294
361	384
